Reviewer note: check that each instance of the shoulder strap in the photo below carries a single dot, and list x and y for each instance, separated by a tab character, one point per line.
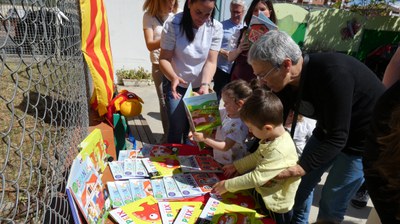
299	95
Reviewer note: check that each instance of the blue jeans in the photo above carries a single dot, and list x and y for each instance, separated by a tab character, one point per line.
344	178
178	123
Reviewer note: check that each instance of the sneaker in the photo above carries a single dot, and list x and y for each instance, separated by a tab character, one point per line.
360	200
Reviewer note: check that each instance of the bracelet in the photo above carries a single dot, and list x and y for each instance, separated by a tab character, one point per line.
205	84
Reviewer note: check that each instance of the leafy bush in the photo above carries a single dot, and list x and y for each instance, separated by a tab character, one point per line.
139	73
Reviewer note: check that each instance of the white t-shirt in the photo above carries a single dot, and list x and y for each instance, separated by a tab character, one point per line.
236	130
151	22
189	58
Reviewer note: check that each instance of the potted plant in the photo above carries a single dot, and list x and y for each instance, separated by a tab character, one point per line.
134	77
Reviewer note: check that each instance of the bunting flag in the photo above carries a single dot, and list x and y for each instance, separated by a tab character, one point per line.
97	52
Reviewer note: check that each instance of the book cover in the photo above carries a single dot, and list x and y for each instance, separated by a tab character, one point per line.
259	25
116	199
158	187
170	210
150	167
242	198
142	211
216	211
171	188
199	163
148	150
140	188
86	188
117	170
128	169
187	185
202	112
124	191
166	165
185	215
93	147
205	181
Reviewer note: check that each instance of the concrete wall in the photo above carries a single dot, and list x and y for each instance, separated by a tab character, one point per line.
126	33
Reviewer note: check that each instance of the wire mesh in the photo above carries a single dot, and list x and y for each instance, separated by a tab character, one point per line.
43	107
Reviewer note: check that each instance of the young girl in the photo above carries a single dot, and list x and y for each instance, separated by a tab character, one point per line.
233	131
190	43
156	13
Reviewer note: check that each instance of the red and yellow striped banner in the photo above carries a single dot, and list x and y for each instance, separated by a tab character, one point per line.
97	52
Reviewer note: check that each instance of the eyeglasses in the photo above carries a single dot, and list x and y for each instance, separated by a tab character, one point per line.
266	74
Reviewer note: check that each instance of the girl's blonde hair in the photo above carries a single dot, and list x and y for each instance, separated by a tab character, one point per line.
153	7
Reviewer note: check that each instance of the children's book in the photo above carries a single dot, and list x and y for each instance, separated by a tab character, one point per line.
140	188
151	168
216	211
124	191
171	188
166	165
128	169
158	187
199	163
170	210
205	181
184	215
93	147
142	211
86	188
187	185
202	112
116	199
242	198
148	150
259	25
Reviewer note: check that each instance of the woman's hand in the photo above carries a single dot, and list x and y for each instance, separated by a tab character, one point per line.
204	89
293	171
174	83
244	44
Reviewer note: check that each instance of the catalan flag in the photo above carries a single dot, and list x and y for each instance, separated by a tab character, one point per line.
97	52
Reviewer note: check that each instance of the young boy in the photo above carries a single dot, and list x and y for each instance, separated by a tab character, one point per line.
263	114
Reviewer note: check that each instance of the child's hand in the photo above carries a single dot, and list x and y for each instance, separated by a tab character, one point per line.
229	170
198	137
219	188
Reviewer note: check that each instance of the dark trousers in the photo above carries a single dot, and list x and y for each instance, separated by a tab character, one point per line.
221	78
279	218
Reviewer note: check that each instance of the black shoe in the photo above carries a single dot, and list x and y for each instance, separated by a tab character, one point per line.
360	200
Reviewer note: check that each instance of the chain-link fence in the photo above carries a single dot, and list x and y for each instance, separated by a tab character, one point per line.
43	107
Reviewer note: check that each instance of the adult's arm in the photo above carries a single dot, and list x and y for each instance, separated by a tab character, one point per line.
168	71
208	72
392	72
151	44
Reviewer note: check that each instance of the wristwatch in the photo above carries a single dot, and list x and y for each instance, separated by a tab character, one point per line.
205	84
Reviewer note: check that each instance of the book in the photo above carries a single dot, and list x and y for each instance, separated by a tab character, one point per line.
242	198
150	167
88	192
124	191
93	147
140	188
166	165
216	211
259	25
148	150
128	169
142	211
199	163
187	185
185	215
116	199
205	181
158	187
202	112
171	188
170	210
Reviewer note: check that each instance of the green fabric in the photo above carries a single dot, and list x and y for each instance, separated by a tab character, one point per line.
372	39
299	34
120	130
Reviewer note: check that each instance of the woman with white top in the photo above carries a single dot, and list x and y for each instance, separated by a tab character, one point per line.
190	44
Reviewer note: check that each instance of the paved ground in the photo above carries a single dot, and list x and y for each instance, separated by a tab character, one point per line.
151	113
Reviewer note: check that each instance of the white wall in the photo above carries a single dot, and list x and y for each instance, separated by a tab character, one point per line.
126	33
